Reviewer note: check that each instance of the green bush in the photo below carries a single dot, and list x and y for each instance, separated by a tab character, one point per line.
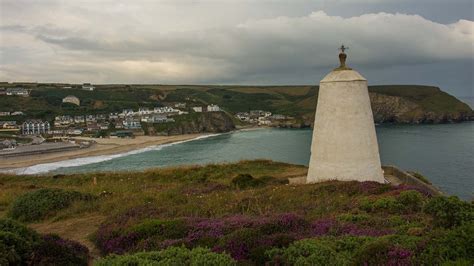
22	246
450	211
411	200
243	181
308	252
388	204
37	205
17	242
450	246
169	256
170	229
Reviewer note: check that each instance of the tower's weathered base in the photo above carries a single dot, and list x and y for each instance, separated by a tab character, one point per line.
344	145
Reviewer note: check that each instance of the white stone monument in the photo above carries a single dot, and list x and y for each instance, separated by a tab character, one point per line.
344	145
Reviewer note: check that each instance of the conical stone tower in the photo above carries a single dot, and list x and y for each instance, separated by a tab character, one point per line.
344	145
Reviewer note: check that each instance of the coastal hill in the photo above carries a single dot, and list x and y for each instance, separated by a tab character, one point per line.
391	103
244	213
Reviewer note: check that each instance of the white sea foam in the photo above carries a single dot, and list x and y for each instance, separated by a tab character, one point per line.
47	167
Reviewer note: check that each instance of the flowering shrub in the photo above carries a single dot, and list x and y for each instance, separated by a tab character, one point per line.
53	250
36	205
22	246
243	237
170	256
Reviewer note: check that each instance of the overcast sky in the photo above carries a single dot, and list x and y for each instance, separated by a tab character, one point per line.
429	42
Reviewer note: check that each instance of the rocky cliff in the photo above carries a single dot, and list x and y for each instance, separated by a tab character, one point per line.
208	122
417	105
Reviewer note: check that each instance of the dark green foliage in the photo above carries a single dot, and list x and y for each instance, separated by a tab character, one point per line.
22	246
407	201
169	256
37	205
244	181
450	211
53	250
411	200
307	252
16	242
448	246
170	229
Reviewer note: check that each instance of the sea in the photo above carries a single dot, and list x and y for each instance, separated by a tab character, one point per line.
443	153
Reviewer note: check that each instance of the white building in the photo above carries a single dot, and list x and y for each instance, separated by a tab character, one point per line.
127	112
17	92
131	124
213	108
17	113
88	87
72	99
35	127
79	119
197	109
144	111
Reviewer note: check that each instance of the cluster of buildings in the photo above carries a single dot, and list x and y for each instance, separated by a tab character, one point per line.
11	113
128	119
16	91
260	117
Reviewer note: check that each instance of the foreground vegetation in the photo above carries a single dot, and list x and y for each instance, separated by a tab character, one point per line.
243	213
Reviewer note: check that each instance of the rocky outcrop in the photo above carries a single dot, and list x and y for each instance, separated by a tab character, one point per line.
208	122
395	109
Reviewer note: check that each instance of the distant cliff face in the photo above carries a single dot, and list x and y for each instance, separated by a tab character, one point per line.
397	109
207	122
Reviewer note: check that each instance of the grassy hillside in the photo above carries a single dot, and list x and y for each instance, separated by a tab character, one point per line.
245	211
298	101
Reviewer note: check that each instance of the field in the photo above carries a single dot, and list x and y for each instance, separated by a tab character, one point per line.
246	212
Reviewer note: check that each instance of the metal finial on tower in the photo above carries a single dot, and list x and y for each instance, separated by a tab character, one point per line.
342	58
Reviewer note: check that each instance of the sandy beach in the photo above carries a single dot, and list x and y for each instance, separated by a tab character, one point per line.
102	147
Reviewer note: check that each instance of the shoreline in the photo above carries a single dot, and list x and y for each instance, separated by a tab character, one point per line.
106	146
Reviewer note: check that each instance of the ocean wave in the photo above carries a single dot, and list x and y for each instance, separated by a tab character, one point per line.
48	167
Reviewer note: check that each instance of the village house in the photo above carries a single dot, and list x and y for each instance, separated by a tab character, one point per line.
131	123
180	105
74	131
144	111
104	125
72	99
243	116
277	117
8	144
91	118
35	127
17	113
63	121
4	113
17	92
92	126
8	125
197	109
101	117
3	91
127	112
113	116
213	108
79	119
88	87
